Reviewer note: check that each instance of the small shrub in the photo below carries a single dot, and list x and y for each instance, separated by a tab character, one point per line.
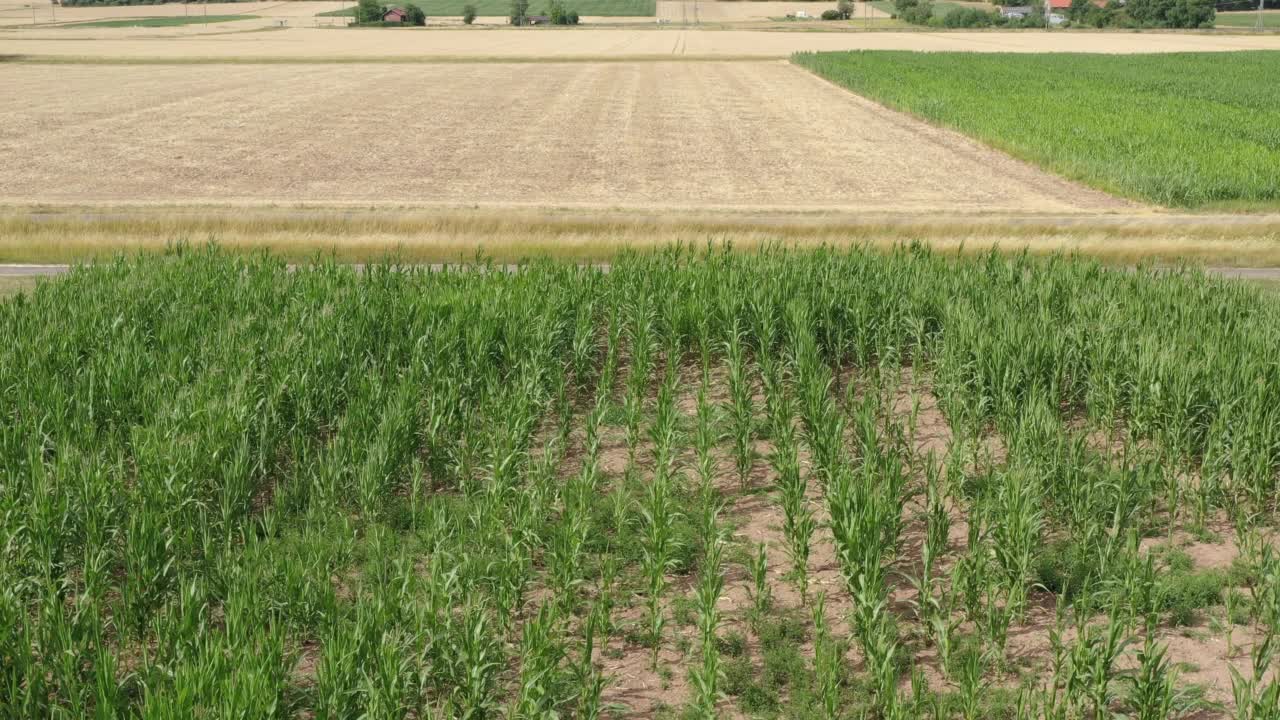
733	644
783	666
783	632
738	676
1183	595
831	15
468	14
758	699
969	18
1065	567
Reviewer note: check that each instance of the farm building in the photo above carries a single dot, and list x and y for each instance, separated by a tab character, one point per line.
1062	6
1015	12
395	15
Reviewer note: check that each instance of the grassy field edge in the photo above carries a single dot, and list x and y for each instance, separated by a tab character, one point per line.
452	236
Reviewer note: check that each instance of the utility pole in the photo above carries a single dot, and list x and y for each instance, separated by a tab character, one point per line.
1261	24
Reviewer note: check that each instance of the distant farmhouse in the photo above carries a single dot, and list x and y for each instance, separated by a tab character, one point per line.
1054	10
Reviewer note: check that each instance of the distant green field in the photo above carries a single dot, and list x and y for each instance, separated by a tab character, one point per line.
192	19
940	9
606	8
943	9
1168	129
1270	19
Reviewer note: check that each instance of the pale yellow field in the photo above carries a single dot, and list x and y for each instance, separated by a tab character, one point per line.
18	13
710	11
650	134
586	42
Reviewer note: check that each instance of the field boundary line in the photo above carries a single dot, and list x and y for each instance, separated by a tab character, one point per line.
382	59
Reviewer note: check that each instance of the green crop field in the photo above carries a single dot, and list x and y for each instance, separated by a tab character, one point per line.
1186	130
809	484
605	8
194	19
1270	19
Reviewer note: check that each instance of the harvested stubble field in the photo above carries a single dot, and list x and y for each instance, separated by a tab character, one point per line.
805	485
18	14
579	135
329	45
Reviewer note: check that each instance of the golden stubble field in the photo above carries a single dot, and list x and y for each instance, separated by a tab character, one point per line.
636	40
18	13
650	134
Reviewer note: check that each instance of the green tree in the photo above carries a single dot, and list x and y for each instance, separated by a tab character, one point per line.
1172	13
416	15
845	8
916	12
519	12
468	14
369	11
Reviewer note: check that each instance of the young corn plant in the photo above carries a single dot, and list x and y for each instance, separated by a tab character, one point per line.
826	660
1255	697
706	678
542	688
659	546
798	523
741	409
591	682
1093	661
1154	693
761	591
705	438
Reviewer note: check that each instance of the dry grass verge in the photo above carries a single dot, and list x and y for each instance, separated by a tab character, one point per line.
33	235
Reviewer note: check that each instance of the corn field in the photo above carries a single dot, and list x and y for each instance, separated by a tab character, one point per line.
826	484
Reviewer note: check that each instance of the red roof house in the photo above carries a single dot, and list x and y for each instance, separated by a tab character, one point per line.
396	15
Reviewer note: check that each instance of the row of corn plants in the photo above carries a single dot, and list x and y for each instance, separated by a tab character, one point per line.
229	487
